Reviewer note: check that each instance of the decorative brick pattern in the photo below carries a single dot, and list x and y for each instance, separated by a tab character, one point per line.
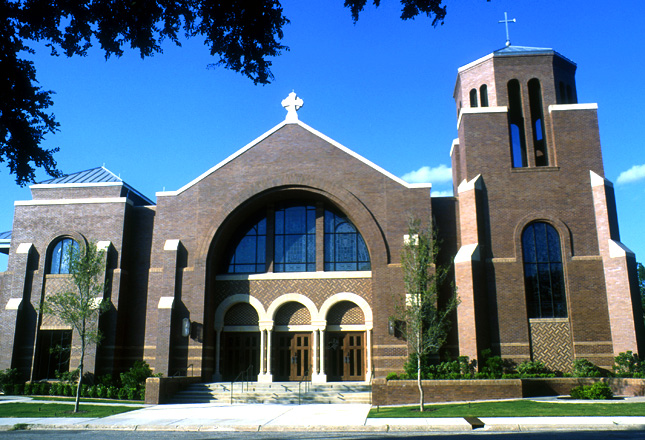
315	289
292	313
345	313
241	314
551	344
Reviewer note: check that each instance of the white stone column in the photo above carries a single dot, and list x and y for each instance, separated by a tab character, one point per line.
262	350
266	377
217	377
320	376
314	362
265	349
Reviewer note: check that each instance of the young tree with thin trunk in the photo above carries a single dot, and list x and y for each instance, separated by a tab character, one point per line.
81	303
426	319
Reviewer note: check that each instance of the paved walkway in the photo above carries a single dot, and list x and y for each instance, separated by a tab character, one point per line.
318	417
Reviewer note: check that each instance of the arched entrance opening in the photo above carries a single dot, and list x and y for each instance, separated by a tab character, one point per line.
238	341
292	358
345	342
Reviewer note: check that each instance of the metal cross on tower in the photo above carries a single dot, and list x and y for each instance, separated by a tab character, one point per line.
506	21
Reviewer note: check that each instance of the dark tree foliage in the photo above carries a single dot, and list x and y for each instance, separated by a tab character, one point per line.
410	9
241	34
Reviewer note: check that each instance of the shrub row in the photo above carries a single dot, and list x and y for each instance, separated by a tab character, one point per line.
492	367
67	389
626	364
129	386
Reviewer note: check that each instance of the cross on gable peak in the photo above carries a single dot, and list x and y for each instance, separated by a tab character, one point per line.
292	103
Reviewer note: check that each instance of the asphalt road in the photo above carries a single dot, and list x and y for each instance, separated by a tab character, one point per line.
158	435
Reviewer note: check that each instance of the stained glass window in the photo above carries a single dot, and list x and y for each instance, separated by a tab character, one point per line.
344	246
543	273
291	227
295	239
249	255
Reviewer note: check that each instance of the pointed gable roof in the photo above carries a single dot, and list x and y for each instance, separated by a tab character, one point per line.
259	139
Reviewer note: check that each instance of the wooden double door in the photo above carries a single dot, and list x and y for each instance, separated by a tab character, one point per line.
345	356
240	352
292	356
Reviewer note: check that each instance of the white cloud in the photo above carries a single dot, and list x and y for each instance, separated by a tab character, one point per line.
440	174
634	174
442	193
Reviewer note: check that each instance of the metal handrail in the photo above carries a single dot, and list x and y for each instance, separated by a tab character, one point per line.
178	372
244	373
306	382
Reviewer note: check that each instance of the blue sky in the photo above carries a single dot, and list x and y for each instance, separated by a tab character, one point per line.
382	87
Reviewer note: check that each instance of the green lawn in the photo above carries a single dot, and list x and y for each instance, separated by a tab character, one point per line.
25	409
516	408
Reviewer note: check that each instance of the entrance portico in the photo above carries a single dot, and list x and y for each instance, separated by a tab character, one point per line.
296	339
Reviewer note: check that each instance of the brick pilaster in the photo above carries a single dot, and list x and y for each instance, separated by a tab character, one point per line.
465	267
625	311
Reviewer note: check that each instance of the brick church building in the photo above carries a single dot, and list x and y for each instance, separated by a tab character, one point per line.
286	255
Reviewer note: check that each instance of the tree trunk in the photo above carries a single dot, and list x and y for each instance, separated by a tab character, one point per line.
421	395
80	373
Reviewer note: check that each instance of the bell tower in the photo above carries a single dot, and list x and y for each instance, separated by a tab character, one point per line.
540	271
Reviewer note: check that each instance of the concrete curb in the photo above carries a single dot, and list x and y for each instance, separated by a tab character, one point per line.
458	426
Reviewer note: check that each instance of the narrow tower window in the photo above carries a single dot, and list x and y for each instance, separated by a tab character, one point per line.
516	124
571	99
537	123
563	94
473	98
483	95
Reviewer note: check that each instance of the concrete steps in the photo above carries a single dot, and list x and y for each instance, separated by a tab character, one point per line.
276	392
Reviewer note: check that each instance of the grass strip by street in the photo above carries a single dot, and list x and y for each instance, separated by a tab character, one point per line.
515	408
27	409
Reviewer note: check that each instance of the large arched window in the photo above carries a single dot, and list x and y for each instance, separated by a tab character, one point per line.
283	239
344	247
59	263
543	274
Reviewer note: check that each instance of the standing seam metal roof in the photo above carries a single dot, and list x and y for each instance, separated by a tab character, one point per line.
94	175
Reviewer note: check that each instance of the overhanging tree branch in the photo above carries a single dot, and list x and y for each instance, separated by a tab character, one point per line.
243	35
